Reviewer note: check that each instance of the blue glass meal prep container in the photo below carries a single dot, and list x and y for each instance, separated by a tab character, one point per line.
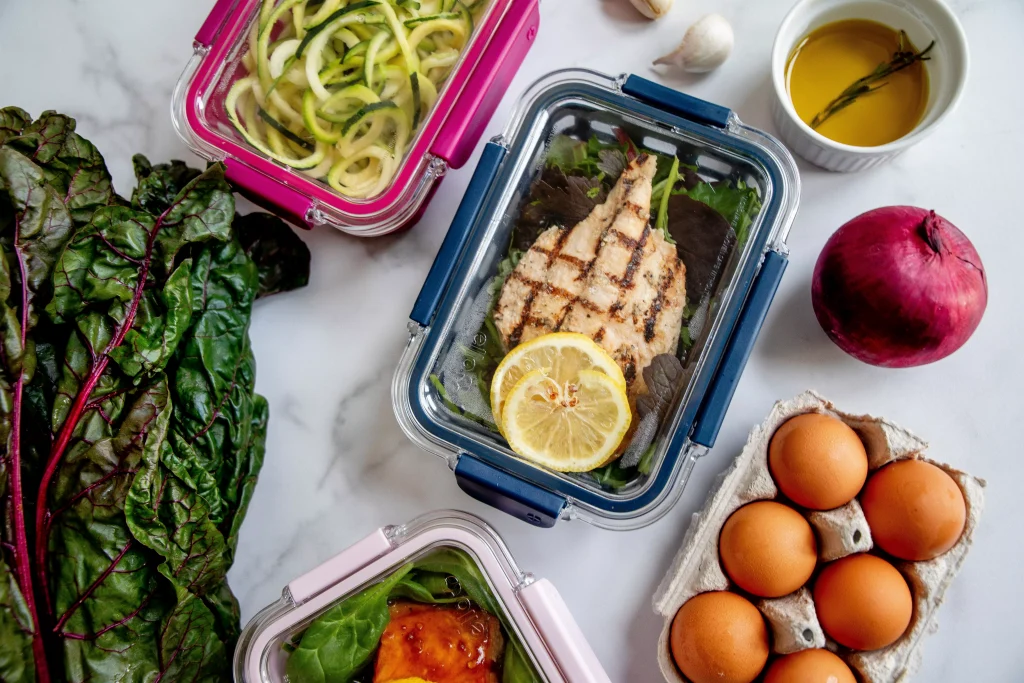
585	103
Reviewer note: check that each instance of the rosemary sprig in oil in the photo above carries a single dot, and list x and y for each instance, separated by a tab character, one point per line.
901	59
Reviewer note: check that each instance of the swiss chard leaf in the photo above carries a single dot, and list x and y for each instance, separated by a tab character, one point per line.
40	226
34	227
73	166
342	640
281	257
109	600
187	652
214	375
159	185
16	660
13	120
138	491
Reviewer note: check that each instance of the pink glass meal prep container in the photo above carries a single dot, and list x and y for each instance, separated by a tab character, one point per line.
500	41
531	607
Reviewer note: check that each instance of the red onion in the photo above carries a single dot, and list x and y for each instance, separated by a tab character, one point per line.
899	287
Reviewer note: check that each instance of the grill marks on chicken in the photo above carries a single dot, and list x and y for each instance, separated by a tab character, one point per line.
610	277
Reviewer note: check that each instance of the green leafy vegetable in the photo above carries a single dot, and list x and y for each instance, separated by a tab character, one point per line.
130	433
663	377
342	642
647	460
662	220
281	257
704	240
556	199
737	202
614	476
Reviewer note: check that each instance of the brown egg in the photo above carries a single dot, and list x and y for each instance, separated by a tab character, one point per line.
719	637
818	461
768	549
809	666
915	510
863	602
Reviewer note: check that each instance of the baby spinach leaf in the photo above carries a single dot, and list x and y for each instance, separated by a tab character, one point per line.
516	667
466	574
341	641
412	589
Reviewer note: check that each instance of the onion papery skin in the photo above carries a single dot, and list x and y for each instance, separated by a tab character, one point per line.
899	287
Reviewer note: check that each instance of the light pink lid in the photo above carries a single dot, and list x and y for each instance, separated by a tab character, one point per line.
540	616
445	140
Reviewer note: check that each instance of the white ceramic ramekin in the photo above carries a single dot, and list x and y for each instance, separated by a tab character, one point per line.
924	21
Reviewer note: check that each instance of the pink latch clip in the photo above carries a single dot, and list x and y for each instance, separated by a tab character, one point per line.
489	82
566	642
339	567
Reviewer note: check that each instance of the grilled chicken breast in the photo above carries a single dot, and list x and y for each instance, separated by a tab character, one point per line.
440	644
611	277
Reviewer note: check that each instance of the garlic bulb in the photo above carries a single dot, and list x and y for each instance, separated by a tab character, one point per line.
705	46
653	9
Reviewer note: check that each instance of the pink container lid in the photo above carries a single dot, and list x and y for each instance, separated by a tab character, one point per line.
446	138
543	624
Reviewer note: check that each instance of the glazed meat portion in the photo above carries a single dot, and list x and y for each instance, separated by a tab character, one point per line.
440	644
610	277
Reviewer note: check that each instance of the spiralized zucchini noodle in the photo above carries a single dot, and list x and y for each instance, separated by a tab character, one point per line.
337	89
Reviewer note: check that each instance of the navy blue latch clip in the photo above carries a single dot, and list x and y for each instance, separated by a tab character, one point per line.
680	104
508	493
451	248
748	326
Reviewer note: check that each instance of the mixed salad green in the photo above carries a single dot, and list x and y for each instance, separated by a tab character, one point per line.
340	646
705	219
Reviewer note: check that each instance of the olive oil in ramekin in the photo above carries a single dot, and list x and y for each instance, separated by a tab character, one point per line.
843	82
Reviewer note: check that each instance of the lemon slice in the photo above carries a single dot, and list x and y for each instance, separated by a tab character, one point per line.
562	354
570	426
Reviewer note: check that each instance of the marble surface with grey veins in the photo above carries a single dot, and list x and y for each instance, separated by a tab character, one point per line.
337	464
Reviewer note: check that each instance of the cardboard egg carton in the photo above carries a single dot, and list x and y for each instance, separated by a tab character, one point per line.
792	620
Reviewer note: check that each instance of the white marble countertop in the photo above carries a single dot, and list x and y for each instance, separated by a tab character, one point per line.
337	464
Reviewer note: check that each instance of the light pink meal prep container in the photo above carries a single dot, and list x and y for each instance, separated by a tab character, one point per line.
541	619
445	140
